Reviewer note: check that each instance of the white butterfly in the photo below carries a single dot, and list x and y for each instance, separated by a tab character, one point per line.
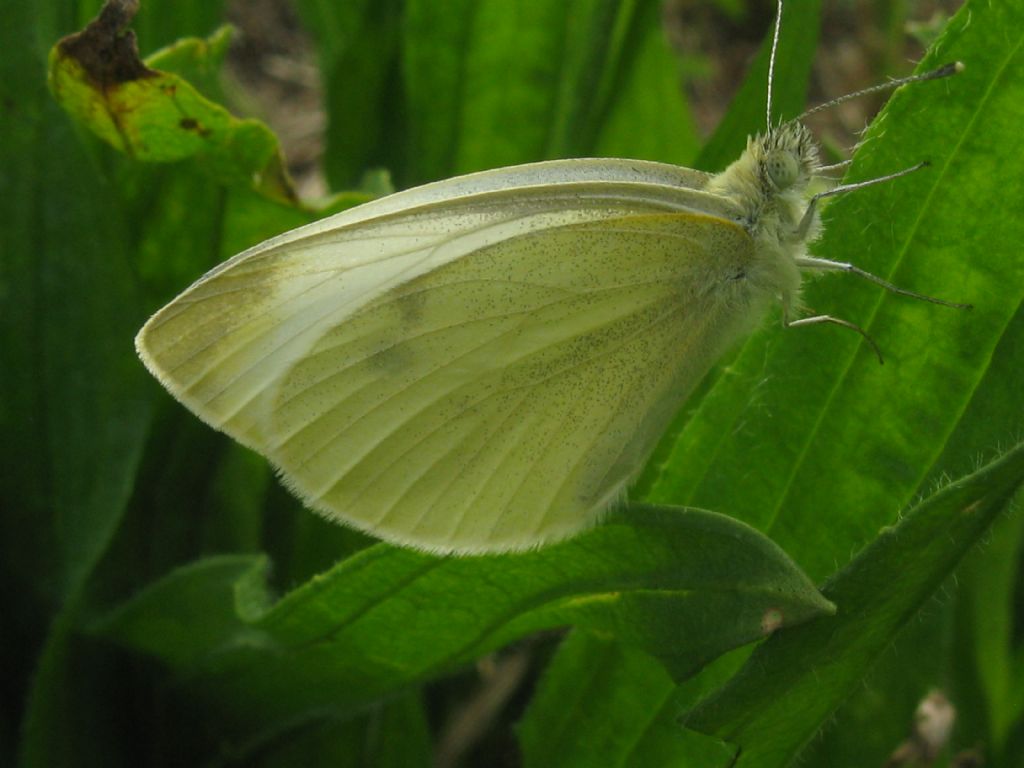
485	363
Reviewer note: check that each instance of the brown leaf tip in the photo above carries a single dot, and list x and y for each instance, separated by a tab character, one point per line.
106	50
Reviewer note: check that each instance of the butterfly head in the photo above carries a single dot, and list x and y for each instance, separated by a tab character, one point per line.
786	157
769	181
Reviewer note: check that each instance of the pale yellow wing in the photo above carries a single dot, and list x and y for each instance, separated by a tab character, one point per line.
476	374
506	399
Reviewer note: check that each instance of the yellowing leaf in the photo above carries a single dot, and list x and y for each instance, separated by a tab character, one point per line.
155	116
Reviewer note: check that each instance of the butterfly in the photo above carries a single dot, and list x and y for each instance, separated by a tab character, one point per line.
483	364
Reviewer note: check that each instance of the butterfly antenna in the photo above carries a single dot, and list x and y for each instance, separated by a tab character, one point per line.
945	70
771	63
805	222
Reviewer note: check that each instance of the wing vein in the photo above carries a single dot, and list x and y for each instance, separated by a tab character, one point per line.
526	475
663	317
525	313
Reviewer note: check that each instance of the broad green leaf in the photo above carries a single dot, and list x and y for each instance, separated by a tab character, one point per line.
394	734
359	44
158	117
990	602
596	705
74	409
488	84
497	84
957	636
878	714
76	401
203	607
685	585
74	406
434	61
596	50
518	65
336	27
646	116
67	675
799	407
817	665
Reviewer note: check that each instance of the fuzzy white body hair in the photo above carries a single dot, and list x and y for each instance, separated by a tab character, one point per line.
774	205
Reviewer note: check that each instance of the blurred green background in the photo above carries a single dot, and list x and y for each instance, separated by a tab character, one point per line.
107	486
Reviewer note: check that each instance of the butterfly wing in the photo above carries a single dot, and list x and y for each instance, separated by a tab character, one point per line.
466	371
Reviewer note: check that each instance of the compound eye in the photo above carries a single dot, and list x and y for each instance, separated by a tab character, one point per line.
782	168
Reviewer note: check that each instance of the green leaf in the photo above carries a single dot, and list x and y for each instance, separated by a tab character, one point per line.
645	115
67	674
394	734
74	407
957	639
684	585
76	401
798	41
158	117
596	702
817	665
797	406
197	60
203	607
488	83
879	713
529	65
359	43
989	597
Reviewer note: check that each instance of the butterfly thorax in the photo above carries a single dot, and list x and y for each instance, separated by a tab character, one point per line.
768	183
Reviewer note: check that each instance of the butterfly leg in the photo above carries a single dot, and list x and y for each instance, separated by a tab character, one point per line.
817	319
812	206
826	265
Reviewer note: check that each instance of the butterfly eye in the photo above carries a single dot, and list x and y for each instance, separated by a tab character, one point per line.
782	168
